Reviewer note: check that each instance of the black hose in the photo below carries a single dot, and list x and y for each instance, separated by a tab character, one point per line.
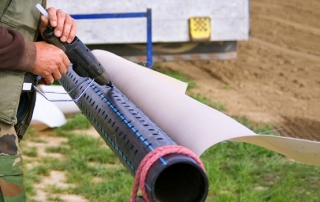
132	135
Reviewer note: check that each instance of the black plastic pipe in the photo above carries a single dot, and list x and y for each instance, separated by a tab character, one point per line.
132	135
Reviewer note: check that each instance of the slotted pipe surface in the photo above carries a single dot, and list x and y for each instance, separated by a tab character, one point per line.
132	135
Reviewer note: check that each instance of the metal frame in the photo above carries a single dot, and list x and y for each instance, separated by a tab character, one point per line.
147	14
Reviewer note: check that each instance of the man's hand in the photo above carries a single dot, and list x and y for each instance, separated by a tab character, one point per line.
64	25
51	62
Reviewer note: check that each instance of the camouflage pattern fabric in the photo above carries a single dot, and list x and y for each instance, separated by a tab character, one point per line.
11	179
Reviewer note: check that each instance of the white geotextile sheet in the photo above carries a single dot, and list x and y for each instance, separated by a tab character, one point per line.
188	122
46	114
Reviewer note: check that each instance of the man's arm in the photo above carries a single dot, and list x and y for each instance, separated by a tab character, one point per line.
39	58
15	52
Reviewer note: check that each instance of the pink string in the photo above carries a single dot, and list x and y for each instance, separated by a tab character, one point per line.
148	161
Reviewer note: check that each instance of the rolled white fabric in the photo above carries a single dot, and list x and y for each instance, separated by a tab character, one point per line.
188	122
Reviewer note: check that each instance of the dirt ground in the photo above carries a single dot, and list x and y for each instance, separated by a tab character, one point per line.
276	76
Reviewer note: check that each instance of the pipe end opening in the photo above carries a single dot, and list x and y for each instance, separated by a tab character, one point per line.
181	182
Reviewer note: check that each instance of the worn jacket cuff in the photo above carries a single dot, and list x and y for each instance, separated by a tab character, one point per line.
29	57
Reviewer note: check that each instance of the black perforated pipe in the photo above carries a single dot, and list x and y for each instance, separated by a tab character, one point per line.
132	135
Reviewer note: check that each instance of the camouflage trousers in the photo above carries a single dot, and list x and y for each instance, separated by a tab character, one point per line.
11	178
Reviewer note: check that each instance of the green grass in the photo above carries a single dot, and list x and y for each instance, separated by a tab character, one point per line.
86	159
216	105
31	152
236	171
78	122
245	172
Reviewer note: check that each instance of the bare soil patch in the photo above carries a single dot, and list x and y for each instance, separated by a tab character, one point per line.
276	76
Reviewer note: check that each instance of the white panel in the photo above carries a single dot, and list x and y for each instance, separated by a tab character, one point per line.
170	31
169	10
112	30
229	19
225	29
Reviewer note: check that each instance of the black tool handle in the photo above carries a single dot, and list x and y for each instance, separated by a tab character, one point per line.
52	39
84	63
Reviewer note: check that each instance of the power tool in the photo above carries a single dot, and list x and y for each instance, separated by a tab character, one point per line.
84	63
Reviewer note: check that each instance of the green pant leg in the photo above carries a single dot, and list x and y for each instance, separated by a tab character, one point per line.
11	179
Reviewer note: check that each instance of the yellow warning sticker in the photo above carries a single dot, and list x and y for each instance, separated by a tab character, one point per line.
199	28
